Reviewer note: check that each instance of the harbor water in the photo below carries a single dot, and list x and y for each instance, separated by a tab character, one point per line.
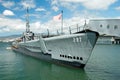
104	64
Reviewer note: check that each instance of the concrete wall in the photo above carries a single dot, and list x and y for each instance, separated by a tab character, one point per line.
105	26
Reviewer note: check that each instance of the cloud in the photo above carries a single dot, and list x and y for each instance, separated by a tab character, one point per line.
98	4
11	25
40	9
70	5
8	13
17	8
55	5
78	18
89	4
55	8
54	2
53	26
117	8
0	0
18	25
28	3
8	4
36	26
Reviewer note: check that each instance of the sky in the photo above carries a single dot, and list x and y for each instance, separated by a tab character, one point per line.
41	13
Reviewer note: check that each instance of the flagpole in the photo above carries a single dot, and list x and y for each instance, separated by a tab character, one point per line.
62	22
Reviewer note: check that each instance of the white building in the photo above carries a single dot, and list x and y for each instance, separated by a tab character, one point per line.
105	26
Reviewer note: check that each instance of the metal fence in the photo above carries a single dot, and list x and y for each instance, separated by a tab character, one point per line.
66	30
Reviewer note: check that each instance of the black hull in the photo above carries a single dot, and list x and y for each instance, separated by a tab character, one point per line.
47	57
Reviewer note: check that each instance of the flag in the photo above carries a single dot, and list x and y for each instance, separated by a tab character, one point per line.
57	17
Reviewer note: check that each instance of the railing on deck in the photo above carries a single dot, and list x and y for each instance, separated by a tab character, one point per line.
66	30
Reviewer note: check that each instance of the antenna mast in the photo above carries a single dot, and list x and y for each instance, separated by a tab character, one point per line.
27	21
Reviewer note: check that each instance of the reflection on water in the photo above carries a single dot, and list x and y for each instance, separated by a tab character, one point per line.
103	65
48	71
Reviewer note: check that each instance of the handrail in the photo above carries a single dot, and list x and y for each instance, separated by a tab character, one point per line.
67	30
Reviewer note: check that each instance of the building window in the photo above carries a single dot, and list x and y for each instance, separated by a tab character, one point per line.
108	26
101	25
115	27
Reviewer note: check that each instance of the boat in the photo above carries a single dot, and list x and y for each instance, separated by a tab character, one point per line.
73	49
